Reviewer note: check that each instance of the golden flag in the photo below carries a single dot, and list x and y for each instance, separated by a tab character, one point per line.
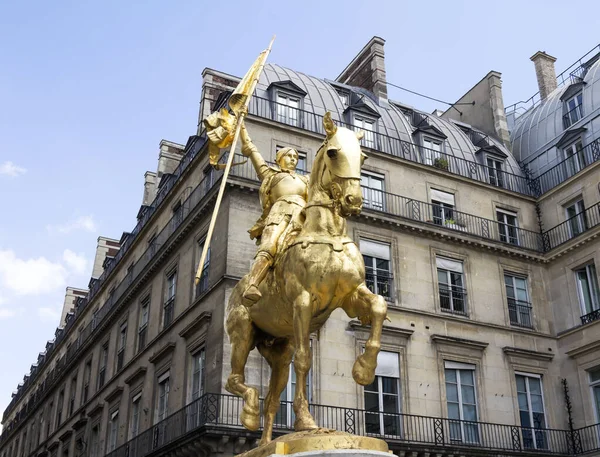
244	89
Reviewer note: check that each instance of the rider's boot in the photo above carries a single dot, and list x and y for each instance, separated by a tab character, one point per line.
260	267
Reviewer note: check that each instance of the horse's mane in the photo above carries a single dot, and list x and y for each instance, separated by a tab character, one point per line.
317	171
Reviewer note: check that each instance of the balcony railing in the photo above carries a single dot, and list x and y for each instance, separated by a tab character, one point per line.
453	299
590	317
380	282
572	227
220	414
520	313
572	116
568	167
312	122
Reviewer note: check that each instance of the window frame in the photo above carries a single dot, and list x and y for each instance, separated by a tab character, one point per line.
457	367
143	324
369	198
462	289
134	421
168	309
369	139
595	384
532	428
121	346
430	152
574	157
286	118
497	166
504	226
113	431
518	306
164	382
375	272
202	285
577	107
592	278
578	218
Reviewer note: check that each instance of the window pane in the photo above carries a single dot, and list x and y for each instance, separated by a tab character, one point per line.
371	402
453	411
389	385
451	392
468	394
451	376
390	404
469	412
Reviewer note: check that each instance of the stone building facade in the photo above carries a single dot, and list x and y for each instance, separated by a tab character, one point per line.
487	258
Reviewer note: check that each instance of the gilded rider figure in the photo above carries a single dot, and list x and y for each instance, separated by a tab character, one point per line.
283	196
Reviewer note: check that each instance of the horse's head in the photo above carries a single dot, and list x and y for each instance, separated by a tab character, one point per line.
343	160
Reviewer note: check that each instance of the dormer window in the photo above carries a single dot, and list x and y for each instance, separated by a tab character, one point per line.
573	110
574	157
368	127
345	98
495	173
288	99
433	152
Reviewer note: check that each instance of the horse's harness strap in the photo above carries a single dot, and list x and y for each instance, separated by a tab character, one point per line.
336	243
324	203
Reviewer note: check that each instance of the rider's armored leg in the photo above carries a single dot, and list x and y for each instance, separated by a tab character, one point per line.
260	267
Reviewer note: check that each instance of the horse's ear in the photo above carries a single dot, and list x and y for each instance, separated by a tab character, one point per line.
328	125
360	134
363	157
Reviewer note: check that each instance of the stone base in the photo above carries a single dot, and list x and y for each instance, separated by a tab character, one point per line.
321	442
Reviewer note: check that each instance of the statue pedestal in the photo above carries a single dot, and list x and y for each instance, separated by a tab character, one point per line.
321	442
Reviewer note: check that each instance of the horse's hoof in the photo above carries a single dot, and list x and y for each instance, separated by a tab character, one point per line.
250	419
304	422
363	372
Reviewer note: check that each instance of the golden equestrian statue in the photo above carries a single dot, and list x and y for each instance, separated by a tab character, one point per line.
306	268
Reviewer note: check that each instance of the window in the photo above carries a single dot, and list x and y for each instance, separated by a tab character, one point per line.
432	153
378	272
595	386
49	420
170	299
95	441
495	176
368	127
121	346
163	397
113	431
442	205
135	416
531	411
382	397
453	294
462	402
573	111
574	158
72	392
519	307
177	214
102	365
345	98
209	178
143	323
152	245
285	417
59	408
87	376
196	387
507	227
203	283
576	218
372	190
587	288
288	109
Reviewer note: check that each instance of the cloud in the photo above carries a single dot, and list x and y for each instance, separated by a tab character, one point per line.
50	314
78	264
85	223
31	276
7	313
10	169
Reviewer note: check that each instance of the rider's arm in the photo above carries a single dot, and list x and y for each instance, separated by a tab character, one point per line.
251	151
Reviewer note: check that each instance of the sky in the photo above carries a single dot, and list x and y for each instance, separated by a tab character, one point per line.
89	88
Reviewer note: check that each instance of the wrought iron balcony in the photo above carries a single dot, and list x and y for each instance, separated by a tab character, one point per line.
380	282
520	313
590	317
307	120
219	414
572	227
453	299
570	166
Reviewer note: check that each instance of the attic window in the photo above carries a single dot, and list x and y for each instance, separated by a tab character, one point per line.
288	98
573	110
344	97
368	127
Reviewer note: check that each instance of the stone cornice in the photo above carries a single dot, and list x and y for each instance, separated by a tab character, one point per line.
162	353
460	342
113	394
583	350
94	410
66	435
386	330
203	319
527	354
140	372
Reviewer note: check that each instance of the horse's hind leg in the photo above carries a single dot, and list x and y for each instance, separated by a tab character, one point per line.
242	334
369	308
279	357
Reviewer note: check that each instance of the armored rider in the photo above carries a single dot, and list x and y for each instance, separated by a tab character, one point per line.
283	196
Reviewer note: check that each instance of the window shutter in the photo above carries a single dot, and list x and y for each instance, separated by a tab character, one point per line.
443	197
387	365
458	366
449	264
375	249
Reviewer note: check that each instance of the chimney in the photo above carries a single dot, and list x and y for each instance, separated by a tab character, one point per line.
169	157
71	296
545	72
149	188
107	247
367	69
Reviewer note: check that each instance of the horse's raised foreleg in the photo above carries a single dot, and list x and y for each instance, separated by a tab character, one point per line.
373	309
279	357
241	333
302	361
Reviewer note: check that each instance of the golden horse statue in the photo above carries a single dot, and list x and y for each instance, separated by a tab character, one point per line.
322	270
